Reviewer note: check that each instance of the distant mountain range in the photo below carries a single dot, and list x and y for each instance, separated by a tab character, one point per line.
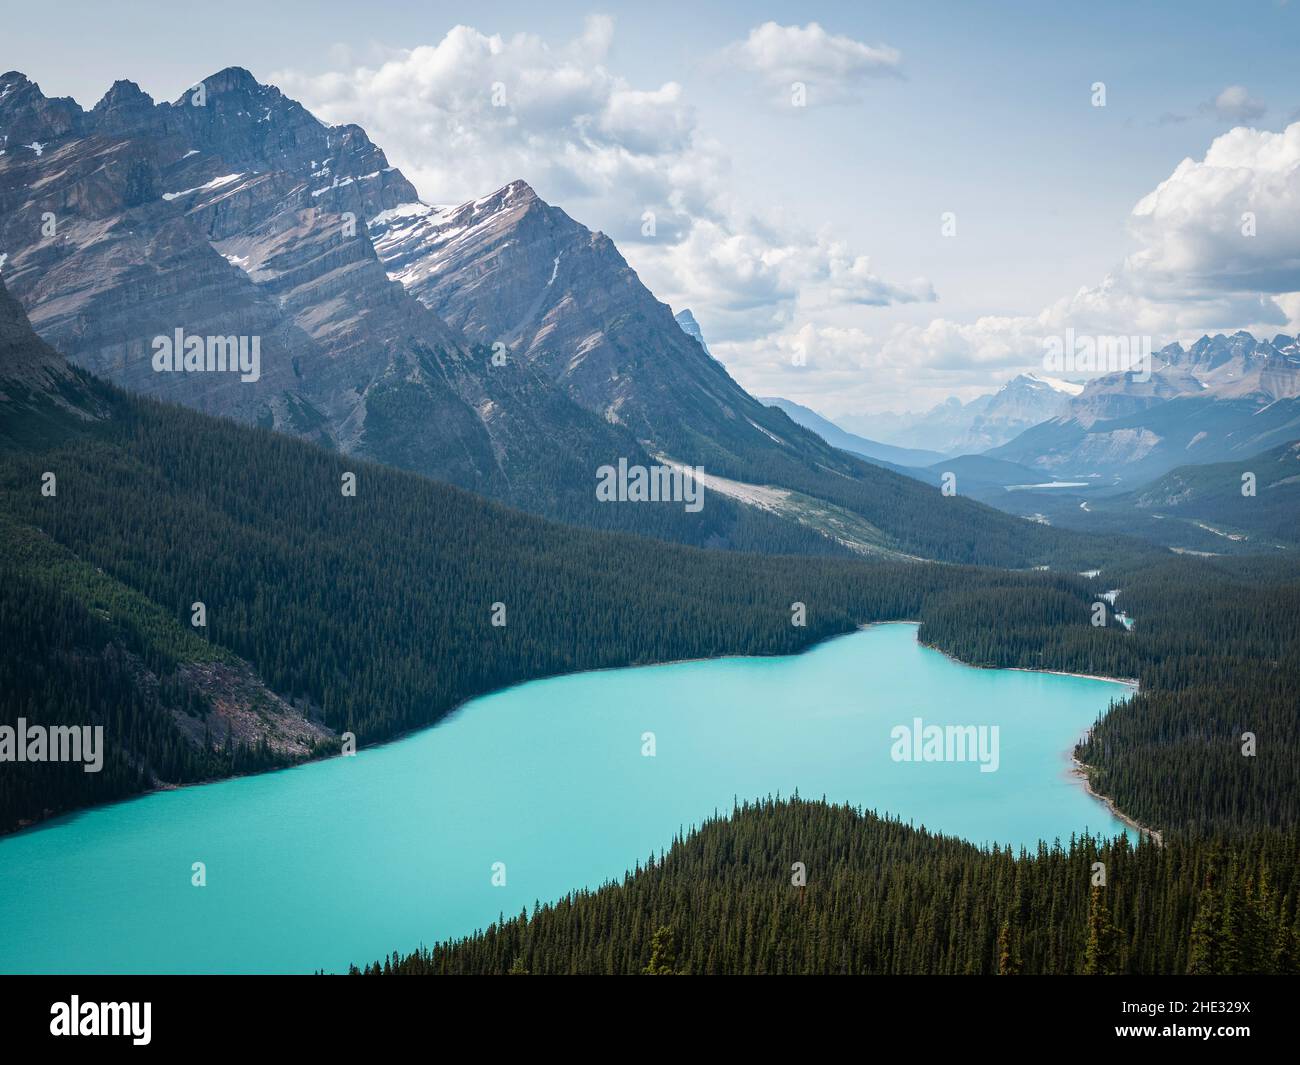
859	445
957	428
496	344
1123	456
1225	397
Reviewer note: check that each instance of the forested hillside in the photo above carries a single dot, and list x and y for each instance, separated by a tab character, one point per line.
1216	646
368	611
884	898
1250	505
370	614
373	614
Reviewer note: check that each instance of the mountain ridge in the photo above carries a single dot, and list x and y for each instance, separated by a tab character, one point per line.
1221	398
514	352
846	441
987	421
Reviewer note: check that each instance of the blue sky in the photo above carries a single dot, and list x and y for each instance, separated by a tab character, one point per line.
807	240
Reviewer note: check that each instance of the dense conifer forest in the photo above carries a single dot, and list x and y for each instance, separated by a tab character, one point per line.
884	898
1216	647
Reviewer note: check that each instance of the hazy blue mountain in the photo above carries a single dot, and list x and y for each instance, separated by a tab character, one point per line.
860	445
957	428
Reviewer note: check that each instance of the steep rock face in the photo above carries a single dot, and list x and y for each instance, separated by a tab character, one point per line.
124	109
498	344
691	327
124	266
1120	395
237	213
510	269
28	117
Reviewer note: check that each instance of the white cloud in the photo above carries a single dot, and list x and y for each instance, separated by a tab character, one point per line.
834	68
750	282
1194	270
608	151
1234	104
1192	227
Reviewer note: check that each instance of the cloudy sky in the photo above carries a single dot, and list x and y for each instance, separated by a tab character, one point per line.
868	206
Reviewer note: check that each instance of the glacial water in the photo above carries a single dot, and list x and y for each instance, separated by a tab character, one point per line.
341	861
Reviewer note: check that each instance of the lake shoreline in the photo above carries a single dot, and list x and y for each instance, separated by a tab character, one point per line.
1080	771
1129	682
53	817
551	781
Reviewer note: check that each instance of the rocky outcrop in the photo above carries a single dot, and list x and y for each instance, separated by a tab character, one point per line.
691	327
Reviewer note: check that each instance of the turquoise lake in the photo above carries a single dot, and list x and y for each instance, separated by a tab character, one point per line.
344	860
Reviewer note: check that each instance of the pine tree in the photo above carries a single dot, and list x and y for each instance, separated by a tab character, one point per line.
663	953
1101	958
1008	960
1206	954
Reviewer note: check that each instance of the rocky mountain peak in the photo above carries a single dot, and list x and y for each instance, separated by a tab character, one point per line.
238	125
12	81
234	79
123	108
517	197
28	116
123	93
245	121
517	192
691	327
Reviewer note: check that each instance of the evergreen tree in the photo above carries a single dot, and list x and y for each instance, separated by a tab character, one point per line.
663	953
1102	955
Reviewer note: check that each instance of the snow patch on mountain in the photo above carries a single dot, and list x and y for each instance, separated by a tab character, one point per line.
1070	388
215	183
